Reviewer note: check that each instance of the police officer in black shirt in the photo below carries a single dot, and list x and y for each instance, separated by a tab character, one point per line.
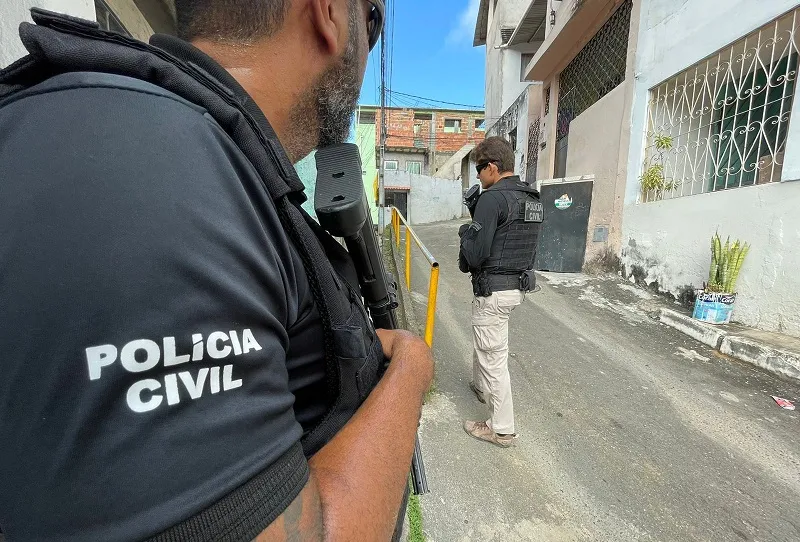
498	249
184	353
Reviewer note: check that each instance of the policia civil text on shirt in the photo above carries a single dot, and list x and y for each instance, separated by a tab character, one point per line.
497	248
186	354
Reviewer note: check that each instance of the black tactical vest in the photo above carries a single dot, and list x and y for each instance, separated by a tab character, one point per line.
354	357
514	245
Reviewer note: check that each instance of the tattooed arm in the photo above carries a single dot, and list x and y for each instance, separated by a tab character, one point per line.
357	480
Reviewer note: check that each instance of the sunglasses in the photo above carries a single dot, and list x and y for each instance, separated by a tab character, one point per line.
375	22
481	167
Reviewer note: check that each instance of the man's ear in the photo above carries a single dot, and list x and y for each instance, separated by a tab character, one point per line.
330	20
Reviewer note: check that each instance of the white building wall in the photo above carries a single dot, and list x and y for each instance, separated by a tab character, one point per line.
502	65
13	12
669	241
429	199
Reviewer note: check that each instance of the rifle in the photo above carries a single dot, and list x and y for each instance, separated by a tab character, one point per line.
341	206
471	197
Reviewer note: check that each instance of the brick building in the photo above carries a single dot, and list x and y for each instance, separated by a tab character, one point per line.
421	140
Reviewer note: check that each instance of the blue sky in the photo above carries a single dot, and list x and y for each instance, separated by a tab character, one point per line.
432	54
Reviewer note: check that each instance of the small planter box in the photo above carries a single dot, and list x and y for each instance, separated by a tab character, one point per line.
714	308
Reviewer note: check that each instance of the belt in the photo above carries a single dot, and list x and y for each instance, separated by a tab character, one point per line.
498	283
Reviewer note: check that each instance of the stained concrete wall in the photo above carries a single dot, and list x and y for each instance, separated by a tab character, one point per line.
430	199
14	12
594	138
669	241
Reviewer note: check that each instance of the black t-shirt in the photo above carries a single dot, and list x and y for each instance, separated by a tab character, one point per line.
160	346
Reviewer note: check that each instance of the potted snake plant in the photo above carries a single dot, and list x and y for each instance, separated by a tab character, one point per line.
715	302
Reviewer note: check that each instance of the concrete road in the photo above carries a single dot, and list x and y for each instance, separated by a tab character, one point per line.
628	429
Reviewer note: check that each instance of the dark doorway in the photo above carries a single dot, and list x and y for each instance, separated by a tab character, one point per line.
562	242
399	200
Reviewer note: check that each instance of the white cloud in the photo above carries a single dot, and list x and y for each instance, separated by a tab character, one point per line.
464	31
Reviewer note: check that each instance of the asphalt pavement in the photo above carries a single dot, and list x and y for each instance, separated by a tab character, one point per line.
629	430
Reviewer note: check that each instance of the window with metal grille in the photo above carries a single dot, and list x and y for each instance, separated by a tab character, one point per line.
107	19
505	34
547	101
534	131
722	123
452	126
595	70
414	167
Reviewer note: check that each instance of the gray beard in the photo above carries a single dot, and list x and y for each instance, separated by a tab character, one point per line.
323	114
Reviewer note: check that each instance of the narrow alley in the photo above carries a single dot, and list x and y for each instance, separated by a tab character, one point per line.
628	429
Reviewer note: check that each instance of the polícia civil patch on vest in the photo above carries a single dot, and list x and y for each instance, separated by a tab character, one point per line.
534	211
169	389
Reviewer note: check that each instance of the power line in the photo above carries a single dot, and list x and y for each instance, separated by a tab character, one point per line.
432	100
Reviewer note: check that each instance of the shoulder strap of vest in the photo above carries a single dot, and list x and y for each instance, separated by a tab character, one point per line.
59	44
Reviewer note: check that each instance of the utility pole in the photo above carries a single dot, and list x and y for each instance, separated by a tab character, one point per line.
381	170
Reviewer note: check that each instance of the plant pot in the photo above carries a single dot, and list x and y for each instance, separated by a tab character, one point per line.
714	308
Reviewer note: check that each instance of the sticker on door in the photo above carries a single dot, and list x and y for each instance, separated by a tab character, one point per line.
564	202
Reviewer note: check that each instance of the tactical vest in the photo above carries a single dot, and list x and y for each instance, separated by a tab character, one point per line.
353	355
514	245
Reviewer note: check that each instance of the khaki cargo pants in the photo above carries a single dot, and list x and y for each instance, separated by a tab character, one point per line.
490	356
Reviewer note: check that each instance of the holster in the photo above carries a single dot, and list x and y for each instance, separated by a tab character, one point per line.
480	285
527	281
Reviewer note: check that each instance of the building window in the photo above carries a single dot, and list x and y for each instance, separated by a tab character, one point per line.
365	117
480	124
414	167
547	101
595	70
417	129
390	165
107	19
512	138
452	126
722	123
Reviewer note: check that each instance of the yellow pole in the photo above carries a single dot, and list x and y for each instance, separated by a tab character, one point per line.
397	228
433	289
408	258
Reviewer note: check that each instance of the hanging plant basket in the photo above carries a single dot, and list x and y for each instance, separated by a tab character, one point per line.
714	307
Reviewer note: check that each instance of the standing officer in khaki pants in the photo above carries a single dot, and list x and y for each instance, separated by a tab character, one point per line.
498	249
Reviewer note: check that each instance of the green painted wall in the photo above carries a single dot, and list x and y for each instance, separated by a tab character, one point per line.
307	170
365	139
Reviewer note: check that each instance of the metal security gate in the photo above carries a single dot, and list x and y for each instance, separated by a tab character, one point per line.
562	241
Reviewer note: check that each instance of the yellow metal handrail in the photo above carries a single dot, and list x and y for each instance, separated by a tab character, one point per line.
433	284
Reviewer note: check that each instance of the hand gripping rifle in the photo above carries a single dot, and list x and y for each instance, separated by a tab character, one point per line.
341	206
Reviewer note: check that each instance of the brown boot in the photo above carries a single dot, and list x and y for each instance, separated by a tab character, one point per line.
481	431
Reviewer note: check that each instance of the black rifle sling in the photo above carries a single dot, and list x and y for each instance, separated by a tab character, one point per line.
59	44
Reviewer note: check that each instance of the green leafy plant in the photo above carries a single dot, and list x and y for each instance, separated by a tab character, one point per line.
653	179
726	262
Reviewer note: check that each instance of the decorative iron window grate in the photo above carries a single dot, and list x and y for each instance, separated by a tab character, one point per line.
722	123
595	70
534	132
